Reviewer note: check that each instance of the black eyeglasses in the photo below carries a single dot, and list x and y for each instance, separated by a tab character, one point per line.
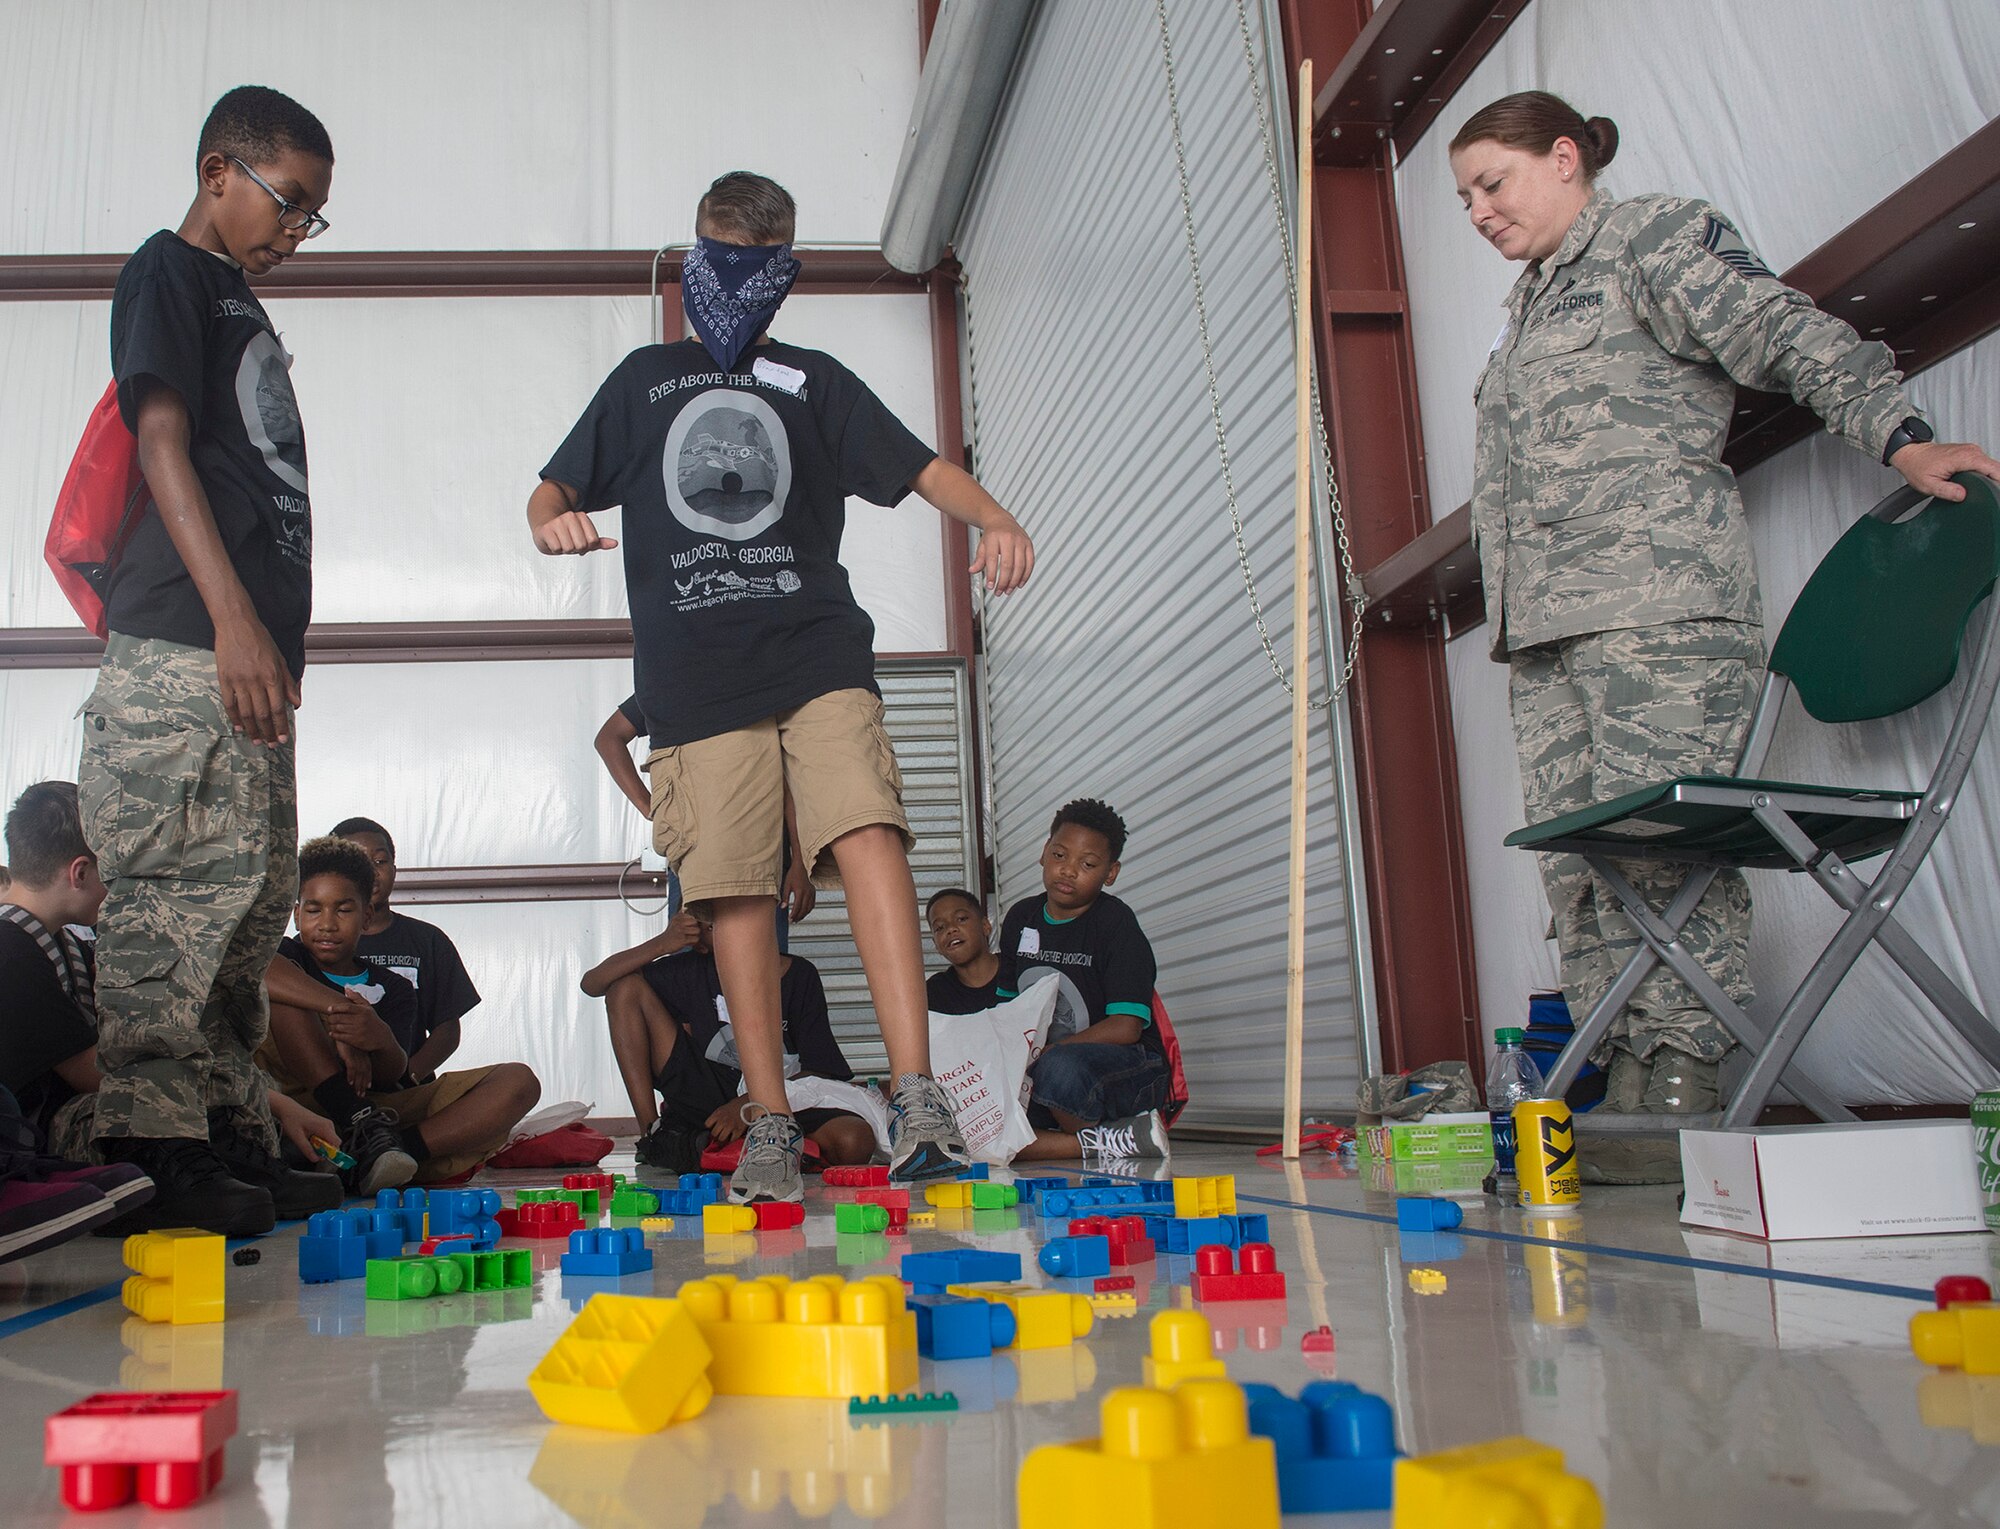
291	216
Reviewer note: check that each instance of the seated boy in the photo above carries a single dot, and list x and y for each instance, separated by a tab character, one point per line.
735	457
48	1019
963	934
1097	1090
671	1031
341	1031
420	953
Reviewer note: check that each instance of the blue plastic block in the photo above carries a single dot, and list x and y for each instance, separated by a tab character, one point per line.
706	1185
1336	1445
1423	1213
1076	1257
609	1251
683	1202
959	1327
929	1273
410	1204
976	1171
466	1213
1157	1191
1117	1199
1029	1188
337	1244
1429	1247
1185	1234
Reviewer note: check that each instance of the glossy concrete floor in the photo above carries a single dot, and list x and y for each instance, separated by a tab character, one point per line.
1698	1380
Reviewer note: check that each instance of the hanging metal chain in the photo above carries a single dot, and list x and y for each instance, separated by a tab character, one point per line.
1356	600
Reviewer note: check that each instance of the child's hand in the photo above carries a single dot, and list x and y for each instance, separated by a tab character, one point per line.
356	1025
797	893
726	1123
683	931
300	1125
360	1071
1005	558
573	533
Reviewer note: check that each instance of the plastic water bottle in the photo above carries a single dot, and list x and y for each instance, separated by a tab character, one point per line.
1511	1076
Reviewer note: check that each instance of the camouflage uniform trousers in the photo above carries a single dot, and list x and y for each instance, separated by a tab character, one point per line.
196	834
1608	712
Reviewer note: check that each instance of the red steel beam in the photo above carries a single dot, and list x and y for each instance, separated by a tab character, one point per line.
1406	763
959	637
1395	78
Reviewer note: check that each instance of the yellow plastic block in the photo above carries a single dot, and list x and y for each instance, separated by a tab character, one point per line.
953	1196
1965	1336
1042	1318
824	1336
1205	1197
1953	1399
176	1275
1427	1282
656	1223
629	1362
923	1218
1166	1460
720	1220
1502	1484
1183	1349
1114	1303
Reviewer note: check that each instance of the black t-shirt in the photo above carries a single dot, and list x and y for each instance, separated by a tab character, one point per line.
692	991
423	956
187	319
1102	950
397	1007
948	995
634	713
735	492
40	1025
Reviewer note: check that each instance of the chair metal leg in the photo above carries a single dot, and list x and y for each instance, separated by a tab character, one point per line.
1726	1009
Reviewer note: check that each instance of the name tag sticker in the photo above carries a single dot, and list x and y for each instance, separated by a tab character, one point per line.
778	375
1031	943
1500	339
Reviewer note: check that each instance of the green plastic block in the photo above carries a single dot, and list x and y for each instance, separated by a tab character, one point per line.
585	1200
860	1218
496	1269
889	1406
994	1196
634	1200
413	1278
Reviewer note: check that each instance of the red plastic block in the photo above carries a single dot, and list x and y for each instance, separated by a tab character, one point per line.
1106	1282
430	1245
777	1216
162	1447
1258	1278
1318	1341
1126	1234
603	1183
542	1220
1954	1288
899	1218
894	1199
873	1176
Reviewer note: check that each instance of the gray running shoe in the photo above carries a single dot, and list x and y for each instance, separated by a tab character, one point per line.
923	1133
769	1167
1136	1136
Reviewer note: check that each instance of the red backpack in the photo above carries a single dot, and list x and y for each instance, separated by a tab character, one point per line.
1177	1092
97	511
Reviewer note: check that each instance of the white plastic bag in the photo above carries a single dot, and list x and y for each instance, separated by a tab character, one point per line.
810	1093
982	1060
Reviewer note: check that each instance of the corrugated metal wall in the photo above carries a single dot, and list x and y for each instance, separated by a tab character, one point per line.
928	709
1130	668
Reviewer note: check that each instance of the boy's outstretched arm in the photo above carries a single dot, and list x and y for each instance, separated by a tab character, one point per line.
1006	557
559	527
682	930
258	691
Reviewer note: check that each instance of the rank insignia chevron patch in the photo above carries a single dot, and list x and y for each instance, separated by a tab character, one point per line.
1722	241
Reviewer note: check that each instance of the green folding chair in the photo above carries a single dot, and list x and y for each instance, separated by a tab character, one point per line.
1876	631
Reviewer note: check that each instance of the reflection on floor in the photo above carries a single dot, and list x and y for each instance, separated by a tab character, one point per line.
1698	1380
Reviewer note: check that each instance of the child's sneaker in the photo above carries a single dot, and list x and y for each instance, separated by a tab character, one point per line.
379	1159
923	1133
1136	1136
671	1148
769	1166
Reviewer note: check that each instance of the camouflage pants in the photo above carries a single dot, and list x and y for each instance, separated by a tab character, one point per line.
196	835
1602	714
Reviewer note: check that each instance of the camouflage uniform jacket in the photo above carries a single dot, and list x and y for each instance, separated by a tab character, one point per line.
1600	501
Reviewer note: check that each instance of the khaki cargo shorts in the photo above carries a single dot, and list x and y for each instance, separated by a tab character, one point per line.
719	803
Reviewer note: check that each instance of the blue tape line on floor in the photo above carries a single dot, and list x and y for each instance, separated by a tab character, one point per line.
28	1320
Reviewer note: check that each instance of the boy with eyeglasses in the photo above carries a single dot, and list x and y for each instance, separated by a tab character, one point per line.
733	456
186	782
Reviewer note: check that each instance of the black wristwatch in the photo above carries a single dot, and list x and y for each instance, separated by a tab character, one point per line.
1911	432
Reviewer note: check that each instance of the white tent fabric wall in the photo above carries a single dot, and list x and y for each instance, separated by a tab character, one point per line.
1795	119
1129	668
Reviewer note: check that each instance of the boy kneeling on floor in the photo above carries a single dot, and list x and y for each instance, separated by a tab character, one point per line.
340	1037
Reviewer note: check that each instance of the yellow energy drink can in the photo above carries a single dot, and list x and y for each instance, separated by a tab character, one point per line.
1545	1153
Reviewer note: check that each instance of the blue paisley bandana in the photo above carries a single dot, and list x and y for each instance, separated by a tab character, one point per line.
731	291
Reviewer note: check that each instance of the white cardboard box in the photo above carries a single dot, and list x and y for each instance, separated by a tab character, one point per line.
1890	1178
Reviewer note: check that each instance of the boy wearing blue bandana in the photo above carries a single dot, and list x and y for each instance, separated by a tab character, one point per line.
733	456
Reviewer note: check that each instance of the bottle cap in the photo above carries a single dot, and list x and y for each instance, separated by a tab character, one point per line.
1508	1037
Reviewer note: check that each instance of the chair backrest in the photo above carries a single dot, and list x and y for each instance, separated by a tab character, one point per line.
1879	625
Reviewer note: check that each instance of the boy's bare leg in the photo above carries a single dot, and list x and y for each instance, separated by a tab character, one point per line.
746	959
882	909
485	1113
643	1034
846	1140
1050	1147
304	1048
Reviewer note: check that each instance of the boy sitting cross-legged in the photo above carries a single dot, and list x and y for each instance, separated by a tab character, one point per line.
734	457
1097	1090
340	1036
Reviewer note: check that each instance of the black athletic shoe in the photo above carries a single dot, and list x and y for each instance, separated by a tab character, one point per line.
191	1187
293	1194
379	1159
674	1149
